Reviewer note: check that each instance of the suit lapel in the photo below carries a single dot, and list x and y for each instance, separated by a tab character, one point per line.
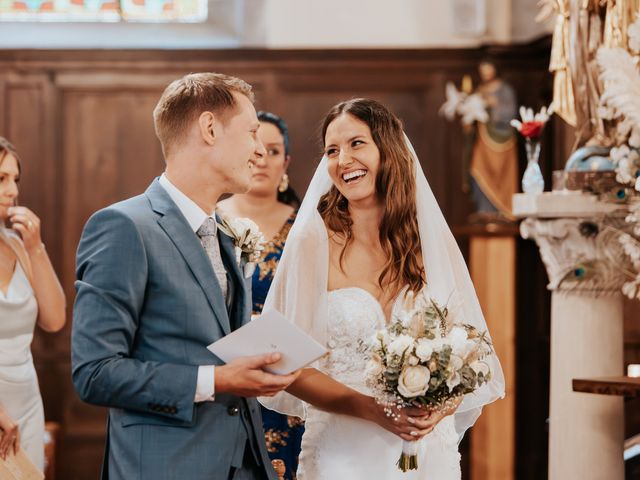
187	243
227	250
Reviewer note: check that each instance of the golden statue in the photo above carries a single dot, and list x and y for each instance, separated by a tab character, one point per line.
582	26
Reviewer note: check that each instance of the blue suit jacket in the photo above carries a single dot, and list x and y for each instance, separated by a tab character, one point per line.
147	305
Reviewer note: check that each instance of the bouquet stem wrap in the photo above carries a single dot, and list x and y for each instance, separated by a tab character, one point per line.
409	457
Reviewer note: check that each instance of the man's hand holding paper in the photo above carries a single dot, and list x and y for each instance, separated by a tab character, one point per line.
247	376
264	356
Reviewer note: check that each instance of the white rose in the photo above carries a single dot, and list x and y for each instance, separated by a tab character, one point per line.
400	344
413	360
424	349
414	381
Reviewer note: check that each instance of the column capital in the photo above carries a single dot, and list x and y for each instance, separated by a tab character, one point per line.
578	237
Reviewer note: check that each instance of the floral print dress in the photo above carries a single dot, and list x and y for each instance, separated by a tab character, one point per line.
283	434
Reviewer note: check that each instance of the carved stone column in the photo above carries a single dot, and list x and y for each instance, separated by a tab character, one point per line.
582	255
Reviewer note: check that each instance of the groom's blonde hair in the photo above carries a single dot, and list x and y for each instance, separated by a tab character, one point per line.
185	99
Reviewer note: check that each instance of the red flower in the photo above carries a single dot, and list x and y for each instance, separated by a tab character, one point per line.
531	129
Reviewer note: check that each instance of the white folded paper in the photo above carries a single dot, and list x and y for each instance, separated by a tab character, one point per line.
270	332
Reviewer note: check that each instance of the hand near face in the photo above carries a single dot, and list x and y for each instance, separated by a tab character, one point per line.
25	222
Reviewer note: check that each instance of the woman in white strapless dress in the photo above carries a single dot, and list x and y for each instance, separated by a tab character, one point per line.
342	446
30	293
369	230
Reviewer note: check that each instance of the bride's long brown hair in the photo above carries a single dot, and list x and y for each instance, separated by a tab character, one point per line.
396	188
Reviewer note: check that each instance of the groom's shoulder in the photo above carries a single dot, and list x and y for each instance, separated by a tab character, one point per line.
134	206
134	211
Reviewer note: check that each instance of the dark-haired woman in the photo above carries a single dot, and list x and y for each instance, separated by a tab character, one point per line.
272	203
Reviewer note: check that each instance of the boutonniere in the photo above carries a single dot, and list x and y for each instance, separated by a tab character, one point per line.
247	240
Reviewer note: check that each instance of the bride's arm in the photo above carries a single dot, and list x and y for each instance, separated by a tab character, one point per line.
325	393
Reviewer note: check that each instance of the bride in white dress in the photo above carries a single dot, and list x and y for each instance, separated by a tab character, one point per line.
368	231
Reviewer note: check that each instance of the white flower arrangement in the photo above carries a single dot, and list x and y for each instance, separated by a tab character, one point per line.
423	358
247	238
470	107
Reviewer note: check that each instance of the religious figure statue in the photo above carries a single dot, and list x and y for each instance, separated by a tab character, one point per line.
493	167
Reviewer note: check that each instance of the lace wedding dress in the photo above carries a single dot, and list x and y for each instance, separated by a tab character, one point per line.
337	446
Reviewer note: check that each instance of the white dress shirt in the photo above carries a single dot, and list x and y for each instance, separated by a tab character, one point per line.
205	387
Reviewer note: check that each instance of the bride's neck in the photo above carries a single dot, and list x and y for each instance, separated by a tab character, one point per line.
366	222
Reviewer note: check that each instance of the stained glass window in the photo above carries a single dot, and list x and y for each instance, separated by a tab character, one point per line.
104	10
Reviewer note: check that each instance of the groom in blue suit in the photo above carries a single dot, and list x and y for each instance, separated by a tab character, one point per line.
156	283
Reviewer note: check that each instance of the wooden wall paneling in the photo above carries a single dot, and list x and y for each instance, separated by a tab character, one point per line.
110	152
29	109
493	270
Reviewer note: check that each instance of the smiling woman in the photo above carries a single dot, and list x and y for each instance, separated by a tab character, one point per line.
30	294
354	159
368	170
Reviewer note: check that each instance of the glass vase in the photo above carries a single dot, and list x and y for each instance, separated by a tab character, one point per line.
532	180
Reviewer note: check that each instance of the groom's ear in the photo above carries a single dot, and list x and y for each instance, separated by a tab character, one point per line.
208	126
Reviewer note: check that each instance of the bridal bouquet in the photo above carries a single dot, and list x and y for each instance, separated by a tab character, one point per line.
424	359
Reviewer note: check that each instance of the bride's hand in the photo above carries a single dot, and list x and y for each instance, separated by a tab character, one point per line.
409	423
438	415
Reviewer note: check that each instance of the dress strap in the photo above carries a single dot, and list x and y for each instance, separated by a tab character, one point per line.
16	246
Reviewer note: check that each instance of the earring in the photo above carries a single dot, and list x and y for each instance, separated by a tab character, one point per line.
284	183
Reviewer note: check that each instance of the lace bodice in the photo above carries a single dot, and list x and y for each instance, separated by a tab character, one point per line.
354	317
